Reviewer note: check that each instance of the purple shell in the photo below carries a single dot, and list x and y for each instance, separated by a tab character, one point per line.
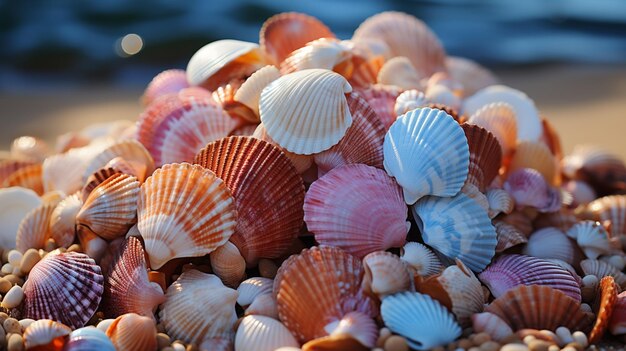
509	271
529	188
65	287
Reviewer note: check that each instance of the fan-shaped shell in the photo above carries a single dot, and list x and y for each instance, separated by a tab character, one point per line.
593	239
470	74
409	100
485	156
249	93
15	204
65	287
491	324
458	228
421	260
301	162
535	155
581	192
427	152
184	210
133	332
508	236
617	324
34	229
29	177
260	333
529	188
268	194
7	167
324	53
306	111
382	99
46	334
55	168
63	220
356	331
606	300
96	179
358	208
399	72
421	320
608	208
602	269
385	274
498	118
550	242
228	264
168	81
440	94
252	288
88	339
499	202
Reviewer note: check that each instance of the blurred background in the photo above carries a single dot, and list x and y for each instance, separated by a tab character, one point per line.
66	64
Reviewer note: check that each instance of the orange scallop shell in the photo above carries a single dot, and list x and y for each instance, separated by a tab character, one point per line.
27	177
606	300
132	332
485	156
608	208
7	167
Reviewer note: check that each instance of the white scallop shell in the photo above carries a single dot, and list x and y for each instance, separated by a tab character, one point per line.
592	238
550	242
15	204
253	287
214	56
399	72
325	53
421	260
409	100
260	333
131	151
249	93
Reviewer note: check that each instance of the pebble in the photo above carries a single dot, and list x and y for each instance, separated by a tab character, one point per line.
12	325
565	335
14	279
539	345
163	340
554	348
396	343
15	343
580	338
5	285
3	337
575	346
490	346
17	271
3	317
192	347
15	257
267	268
24	323
178	347
465	344
13	298
383	334
480	338
514	347
474	348
7	268
160	328
104	324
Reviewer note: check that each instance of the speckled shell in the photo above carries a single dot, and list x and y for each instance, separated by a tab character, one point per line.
63	220
330	277
249	93
608	208
491	324
324	53
15	204
409	100
46	334
184	210
529	188
427	152
499	118
458	228
168	81
485	156
181	316
259	177
421	320
509	271
420	259
550	242
260	333
252	288
292	111
399	72
228	264
602	269
470	74
606	301
34	229
358	208
29	177
535	155
385	274
88	339
133	332
593	239
65	287
382	99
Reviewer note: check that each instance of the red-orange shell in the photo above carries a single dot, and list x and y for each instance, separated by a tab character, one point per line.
485	156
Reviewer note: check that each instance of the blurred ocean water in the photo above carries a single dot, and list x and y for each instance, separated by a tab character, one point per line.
70	42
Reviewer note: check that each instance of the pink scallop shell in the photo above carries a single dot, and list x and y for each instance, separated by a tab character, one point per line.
168	81
382	100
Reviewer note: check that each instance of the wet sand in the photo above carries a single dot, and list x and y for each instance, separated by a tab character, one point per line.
587	104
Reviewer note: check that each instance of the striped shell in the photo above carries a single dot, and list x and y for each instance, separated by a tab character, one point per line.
508	236
133	332
260	333
606	300
498	118
301	162
228	264
550	242
325	53
97	178
409	100
420	259
46	334
608	208
63	220
132	151
382	99
356	331
485	156
529	188
593	239
34	229
602	269
168	81
29	177
15	205
252	288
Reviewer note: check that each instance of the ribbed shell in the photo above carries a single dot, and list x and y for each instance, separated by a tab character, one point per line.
96	179
65	287
268	194
27	177
508	236
535	155
34	229
212	57
253	287
324	53
409	100
46	332
399	72
608	208
509	271
499	202
15	204
464	290
470	74
306	112
485	156
458	228
382	99
421	260
550	242
498	118
602	269
7	167
249	93
168	81
184	210
421	320
606	301
228	264
491	324
357	208
260	333
63	220
529	188
427	152
385	274
131	151
133	332
593	239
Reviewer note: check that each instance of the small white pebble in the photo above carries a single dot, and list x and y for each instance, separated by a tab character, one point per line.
17	271
580	338
551	334
13	298
7	268
104	324
26	322
565	335
178	347
590	280
585	307
514	347
528	339
15	257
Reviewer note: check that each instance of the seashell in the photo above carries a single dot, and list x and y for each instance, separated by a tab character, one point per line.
535	155
286	32
132	151
110	209
181	316
325	53
96	179
184	211
224	96
420	259
438	169
330	277
29	148
65	287
252	288
357	208
260	333
582	193
90	243
608	209
228	264
88	339
539	307
499	118
168	81
485	156
605	172
529	188
301	162
289	109
509	271
602	269
382	99
263	305
121	166
385	274
133	332
551	138
550	242
29	177
15	205
363	142
472	192
472	76
508	236
529	126
356	331
34	231
442	95
63	220
407	36
606	299
365	68
127	288
245	130
499	202
458	228
491	324
246	165
399	72
421	320
8	167
409	100
617	324
46	334
593	239
249	93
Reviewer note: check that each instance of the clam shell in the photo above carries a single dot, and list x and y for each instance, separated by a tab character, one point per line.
330	277
535	155
491	324
608	208
181	316
283	33
509	271
324	53
421	320
29	177
499	202
406	36
529	188
363	142
249	93
96	179
458	228
63	220
617	324
110	209
508	236
88	339
252	288
34	229
46	333
8	167
602	269
440	168
399	72
168	81
593	239
133	332
409	100
15	204
301	162
606	299
260	333
259	177
184	210
382	99
470	74
228	264
499	118
65	287
485	156
550	242
528	122
357	208
293	116
420	259
385	274
131	151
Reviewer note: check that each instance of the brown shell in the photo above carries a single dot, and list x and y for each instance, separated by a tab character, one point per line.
8	167
508	236
96	179
607	299
27	177
485	155
449	110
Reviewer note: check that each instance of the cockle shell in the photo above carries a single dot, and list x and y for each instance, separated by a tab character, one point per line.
409	100
46	334
420	259
184	210
593	239
260	333
63	220
602	269
325	53
168	81
529	188
252	288
224	96
406	36
228	264
535	155
132	151
382	99
528	122
259	177
421	320
301	162
8	167
29	177
96	179
291	110
110	209
34	229
550	242
367	60
508	236
358	208
499	202
470	74
485	156
509	271
65	287
133	332
15	204
491	324
330	277
617	324
181	316
356	331
499	118
249	93
88	339
458	228
385	274
608	208
606	301
399	72
427	152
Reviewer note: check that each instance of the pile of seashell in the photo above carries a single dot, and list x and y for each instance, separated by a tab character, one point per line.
311	193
